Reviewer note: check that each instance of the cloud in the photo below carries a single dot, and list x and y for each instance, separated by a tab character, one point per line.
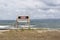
52	2
36	9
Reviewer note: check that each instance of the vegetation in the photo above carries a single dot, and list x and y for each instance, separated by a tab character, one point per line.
29	35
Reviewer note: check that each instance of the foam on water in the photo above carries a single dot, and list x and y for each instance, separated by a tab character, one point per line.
3	26
27	25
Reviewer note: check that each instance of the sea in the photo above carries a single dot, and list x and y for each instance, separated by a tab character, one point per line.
34	23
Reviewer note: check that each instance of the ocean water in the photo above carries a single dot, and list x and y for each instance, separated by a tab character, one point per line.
35	23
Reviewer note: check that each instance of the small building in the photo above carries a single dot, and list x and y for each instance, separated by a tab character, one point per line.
23	19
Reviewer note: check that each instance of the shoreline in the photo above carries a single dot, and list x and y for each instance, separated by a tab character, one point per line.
30	28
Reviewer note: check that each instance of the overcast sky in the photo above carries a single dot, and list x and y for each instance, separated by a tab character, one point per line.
36	9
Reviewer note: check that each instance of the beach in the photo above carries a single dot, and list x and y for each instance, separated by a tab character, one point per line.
30	34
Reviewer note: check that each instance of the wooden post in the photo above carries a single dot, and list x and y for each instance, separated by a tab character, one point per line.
28	22
16	23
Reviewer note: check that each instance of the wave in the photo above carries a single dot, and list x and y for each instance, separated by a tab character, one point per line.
3	26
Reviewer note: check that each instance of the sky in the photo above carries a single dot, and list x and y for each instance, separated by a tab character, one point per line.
36	9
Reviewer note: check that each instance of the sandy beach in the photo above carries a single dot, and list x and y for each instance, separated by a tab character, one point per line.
30	35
